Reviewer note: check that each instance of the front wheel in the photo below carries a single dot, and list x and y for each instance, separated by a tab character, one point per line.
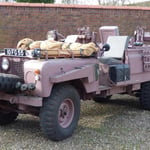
60	112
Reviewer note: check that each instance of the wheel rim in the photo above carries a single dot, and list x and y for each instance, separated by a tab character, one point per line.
66	113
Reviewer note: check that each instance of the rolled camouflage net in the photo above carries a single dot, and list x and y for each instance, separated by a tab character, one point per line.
58	49
35	44
24	43
51	45
79	49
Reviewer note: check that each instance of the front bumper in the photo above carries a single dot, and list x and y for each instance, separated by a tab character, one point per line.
10	83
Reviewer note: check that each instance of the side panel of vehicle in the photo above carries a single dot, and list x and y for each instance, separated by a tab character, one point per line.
47	73
138	61
134	71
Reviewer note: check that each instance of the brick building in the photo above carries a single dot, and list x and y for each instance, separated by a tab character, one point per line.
20	20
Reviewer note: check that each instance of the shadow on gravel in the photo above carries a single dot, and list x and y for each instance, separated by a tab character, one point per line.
116	104
24	124
130	103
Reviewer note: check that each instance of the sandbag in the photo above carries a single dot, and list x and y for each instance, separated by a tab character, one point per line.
24	43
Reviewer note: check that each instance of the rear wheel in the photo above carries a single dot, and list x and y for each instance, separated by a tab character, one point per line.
7	118
60	112
145	95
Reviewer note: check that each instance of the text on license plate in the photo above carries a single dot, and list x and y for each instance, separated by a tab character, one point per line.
15	52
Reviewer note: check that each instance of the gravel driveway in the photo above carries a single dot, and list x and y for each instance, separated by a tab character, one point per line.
120	124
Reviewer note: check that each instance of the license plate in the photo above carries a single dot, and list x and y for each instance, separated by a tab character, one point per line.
15	52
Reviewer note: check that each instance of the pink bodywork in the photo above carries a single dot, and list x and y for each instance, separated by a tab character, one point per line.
89	71
60	70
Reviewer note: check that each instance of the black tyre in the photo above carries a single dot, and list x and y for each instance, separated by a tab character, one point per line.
60	112
7	118
102	99
145	95
8	82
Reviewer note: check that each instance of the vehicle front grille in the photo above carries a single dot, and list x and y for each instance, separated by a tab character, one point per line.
16	65
18	68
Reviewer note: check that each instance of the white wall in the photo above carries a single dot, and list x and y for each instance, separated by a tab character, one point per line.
95	2
7	0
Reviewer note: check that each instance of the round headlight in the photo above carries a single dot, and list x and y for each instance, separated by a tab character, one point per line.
5	64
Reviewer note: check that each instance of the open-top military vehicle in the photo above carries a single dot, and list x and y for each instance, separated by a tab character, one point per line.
51	86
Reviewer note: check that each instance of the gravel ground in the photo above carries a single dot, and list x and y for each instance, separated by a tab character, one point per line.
120	124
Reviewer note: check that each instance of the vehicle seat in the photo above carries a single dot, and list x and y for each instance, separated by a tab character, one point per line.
106	31
115	55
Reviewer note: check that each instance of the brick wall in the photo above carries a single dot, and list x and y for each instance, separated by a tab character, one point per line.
19	20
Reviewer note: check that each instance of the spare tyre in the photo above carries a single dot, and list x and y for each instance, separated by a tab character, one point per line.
8	82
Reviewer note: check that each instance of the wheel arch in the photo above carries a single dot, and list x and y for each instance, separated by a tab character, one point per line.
77	84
